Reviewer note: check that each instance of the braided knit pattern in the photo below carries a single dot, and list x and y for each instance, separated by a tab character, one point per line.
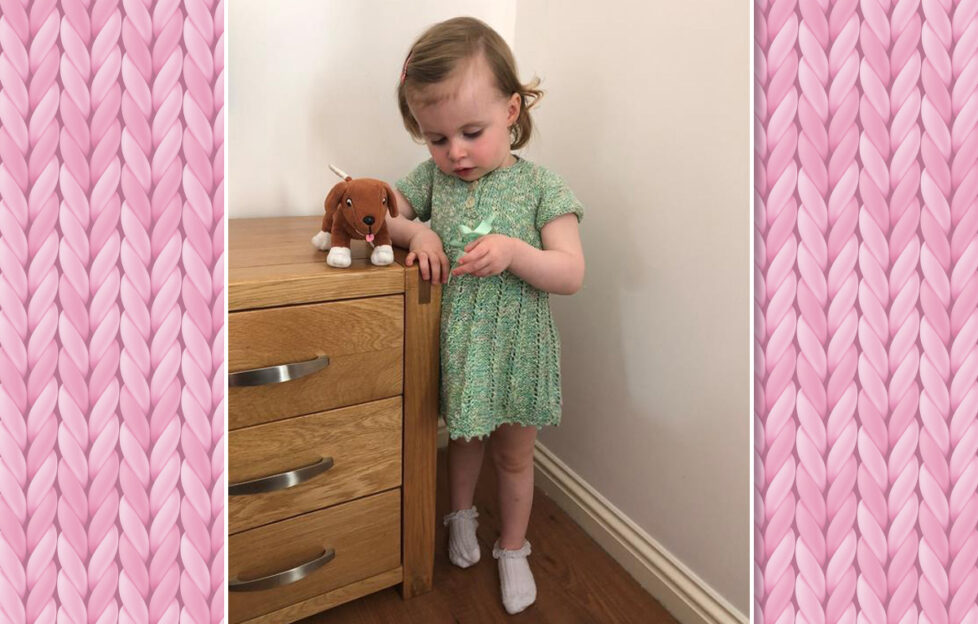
202	514
88	327
826	335
775	315
866	270
936	517
111	311
29	239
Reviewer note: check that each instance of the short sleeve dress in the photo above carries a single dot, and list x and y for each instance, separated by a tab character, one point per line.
500	351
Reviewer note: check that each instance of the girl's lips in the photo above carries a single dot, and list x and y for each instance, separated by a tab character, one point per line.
464	170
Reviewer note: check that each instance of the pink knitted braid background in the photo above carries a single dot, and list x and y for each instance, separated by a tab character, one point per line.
866	311
111	311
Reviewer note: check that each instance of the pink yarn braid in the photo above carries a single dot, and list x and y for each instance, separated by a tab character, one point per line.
911	106
89	323
935	300
111	367
810	478
776	140
201	548
949	582
151	146
827	357
890	322
29	128
963	387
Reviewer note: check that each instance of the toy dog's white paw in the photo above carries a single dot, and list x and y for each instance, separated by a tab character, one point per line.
322	241
338	257
382	255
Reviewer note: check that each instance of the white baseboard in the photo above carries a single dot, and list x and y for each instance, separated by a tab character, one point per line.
681	592
687	597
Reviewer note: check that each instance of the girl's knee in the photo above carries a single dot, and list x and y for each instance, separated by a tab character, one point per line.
512	458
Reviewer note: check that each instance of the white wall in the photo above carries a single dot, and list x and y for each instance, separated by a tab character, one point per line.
313	83
656	345
646	116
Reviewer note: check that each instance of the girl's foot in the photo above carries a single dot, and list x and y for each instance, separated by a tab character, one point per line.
516	582
463	547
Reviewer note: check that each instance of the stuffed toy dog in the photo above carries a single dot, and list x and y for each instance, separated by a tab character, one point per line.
357	209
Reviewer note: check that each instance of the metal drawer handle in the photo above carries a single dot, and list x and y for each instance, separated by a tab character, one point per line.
277	374
281	480
284	577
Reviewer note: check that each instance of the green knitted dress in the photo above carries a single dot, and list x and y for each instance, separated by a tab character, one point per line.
500	351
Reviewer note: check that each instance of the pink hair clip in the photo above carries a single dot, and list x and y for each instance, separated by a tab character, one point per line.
404	69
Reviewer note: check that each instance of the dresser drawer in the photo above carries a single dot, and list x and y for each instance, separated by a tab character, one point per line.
350	452
364	536
363	340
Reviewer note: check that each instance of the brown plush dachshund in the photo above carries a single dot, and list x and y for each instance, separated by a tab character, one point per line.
357	209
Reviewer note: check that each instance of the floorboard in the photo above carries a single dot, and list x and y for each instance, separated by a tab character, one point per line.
577	582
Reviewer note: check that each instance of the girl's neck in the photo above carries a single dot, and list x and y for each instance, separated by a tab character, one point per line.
508	162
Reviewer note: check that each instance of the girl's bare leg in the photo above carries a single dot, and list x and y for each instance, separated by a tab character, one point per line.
512	453
464	464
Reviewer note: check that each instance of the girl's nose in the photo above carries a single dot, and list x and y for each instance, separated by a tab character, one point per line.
456	150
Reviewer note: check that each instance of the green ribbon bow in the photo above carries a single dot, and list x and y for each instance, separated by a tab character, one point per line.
469	234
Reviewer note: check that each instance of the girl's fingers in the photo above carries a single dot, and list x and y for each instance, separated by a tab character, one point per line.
435	270
472	256
480	268
445	267
434	266
423	265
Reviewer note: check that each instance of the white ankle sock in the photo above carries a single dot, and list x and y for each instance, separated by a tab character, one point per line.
516	582
463	547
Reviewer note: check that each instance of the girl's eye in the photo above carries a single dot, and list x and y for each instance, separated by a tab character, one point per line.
472	135
438	141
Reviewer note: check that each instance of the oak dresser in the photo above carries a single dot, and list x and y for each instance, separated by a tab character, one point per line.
332	418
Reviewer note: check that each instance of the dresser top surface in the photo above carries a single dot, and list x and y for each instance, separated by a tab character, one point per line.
271	261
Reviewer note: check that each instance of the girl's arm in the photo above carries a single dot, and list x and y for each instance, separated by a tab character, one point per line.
557	268
421	242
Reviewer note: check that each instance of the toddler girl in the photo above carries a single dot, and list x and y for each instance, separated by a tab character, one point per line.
506	232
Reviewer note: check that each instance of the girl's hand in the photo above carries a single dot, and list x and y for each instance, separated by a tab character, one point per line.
426	248
487	255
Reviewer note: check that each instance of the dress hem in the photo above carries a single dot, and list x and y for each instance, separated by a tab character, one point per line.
482	432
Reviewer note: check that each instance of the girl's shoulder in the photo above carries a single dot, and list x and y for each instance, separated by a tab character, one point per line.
538	175
551	195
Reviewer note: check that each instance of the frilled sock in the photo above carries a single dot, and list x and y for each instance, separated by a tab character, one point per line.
463	547
516	583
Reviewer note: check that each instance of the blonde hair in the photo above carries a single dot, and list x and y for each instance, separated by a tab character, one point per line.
439	51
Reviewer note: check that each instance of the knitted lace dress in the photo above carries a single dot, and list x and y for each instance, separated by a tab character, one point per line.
500	351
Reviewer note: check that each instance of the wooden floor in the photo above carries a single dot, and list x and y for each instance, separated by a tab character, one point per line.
577	582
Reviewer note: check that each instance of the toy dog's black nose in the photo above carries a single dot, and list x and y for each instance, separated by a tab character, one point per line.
368	220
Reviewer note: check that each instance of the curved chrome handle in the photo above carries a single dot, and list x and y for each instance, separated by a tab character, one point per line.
277	374
284	577
281	480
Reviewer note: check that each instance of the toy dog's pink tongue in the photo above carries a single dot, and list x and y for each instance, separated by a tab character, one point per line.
370	238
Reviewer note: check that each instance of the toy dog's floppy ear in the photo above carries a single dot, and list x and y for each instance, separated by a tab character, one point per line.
391	200
335	194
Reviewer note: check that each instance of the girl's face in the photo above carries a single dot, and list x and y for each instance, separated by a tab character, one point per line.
465	121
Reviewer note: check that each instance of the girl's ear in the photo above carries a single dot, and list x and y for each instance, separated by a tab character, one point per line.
513	109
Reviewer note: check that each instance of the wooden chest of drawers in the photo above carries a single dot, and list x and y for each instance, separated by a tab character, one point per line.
332	412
